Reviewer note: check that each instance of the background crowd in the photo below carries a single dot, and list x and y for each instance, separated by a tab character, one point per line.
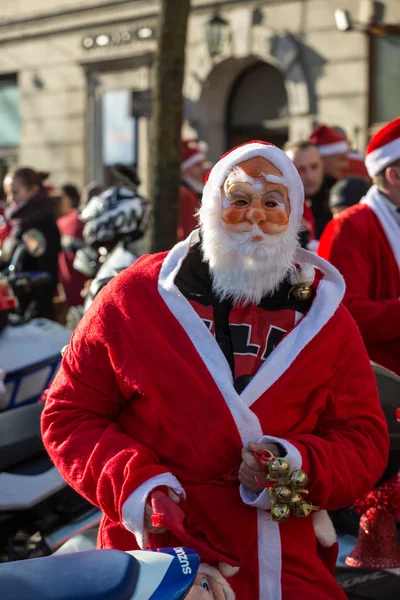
334	178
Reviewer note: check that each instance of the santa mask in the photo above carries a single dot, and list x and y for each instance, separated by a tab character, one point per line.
250	217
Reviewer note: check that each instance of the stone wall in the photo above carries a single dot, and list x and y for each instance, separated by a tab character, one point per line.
325	71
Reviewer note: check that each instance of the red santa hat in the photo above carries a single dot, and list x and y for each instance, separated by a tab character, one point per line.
329	141
384	148
193	151
211	200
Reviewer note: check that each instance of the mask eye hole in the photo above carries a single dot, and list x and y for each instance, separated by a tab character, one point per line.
204	584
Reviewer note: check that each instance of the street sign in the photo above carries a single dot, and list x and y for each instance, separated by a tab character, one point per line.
142	103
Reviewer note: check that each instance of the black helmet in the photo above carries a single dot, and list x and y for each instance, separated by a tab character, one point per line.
117	213
348	192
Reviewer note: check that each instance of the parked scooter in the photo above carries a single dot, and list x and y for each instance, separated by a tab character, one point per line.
166	574
38	510
362	583
29	347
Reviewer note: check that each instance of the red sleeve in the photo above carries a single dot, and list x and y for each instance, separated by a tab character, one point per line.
188	206
309	217
348	451
80	421
345	246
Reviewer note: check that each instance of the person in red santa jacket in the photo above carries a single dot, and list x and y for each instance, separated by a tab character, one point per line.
194	365
364	244
192	183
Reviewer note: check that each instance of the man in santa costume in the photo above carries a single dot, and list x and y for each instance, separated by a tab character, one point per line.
333	148
194	155
196	367
364	244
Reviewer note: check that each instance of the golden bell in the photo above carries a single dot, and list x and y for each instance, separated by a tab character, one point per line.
280	513
301	291
301	510
278	468
298	479
295	498
283	493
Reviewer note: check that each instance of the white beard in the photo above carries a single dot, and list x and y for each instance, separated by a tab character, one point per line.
245	271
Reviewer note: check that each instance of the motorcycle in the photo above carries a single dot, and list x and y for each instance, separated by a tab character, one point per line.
38	511
29	347
362	583
166	574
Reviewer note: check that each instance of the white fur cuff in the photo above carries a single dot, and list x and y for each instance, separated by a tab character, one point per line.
324	529
134	506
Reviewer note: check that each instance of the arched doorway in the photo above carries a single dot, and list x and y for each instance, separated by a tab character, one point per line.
257	107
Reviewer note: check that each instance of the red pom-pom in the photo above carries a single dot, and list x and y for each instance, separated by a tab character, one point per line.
387	495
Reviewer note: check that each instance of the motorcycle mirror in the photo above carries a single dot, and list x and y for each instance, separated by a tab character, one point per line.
34	242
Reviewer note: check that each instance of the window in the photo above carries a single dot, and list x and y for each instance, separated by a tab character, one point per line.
9	114
119	129
385	77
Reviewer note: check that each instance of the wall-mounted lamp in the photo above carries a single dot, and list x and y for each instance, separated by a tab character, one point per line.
371	14
217	30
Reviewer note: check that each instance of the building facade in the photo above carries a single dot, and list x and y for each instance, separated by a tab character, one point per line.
76	78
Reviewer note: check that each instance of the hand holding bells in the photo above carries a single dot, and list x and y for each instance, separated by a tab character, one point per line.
286	488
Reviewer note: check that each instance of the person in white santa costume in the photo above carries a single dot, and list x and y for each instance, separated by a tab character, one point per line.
364	244
196	367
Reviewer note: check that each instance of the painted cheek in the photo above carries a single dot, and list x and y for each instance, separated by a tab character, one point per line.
277	216
233	215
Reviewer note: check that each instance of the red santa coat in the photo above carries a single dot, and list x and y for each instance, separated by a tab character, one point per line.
145	397
364	245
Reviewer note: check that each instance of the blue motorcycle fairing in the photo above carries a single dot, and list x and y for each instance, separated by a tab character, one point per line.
93	575
102	575
180	576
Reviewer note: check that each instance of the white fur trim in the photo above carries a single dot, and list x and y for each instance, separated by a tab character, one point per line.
212	190
269	557
192	160
377	160
217	575
292	455
377	204
304	274
335	148
134	505
324	529
260	500
204	342
227	570
329	295
312	246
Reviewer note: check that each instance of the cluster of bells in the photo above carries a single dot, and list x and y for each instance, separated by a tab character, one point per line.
286	489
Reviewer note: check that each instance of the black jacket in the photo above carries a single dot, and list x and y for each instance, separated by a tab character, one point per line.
320	206
38	213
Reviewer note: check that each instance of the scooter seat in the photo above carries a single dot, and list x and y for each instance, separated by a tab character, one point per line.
95	575
20	436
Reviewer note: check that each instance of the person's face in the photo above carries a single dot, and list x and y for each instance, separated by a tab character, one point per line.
311	168
65	205
336	165
19	192
7	187
196	171
251	200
